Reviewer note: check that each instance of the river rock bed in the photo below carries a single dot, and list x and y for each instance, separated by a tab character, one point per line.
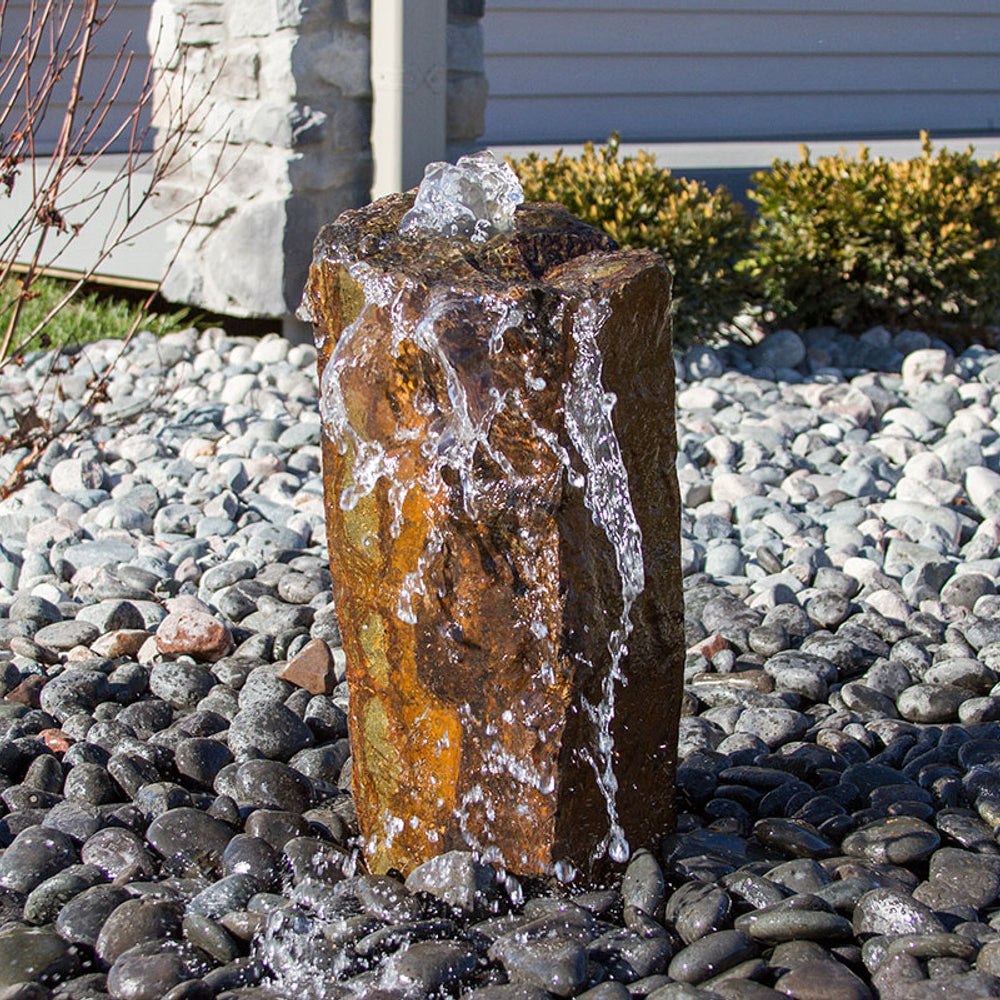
174	768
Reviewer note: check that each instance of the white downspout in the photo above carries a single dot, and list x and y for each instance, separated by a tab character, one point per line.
409	89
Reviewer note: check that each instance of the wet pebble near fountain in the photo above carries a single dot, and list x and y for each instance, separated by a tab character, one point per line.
837	786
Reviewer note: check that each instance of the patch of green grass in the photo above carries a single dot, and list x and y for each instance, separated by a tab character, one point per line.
93	313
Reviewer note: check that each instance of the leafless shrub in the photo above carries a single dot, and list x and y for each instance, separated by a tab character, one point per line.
60	196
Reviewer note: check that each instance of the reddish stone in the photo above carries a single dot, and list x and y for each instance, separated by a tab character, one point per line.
710	645
477	640
194	633
28	691
56	740
312	668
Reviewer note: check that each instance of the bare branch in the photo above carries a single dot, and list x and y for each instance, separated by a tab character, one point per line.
65	199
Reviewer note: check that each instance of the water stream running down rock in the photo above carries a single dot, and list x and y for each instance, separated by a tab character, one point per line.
492	490
606	493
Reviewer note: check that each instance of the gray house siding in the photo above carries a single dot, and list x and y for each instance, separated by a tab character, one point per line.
656	70
126	27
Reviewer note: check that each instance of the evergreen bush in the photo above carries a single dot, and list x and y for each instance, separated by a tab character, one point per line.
857	241
700	233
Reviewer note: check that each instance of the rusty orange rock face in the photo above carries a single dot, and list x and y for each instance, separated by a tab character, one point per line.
509	692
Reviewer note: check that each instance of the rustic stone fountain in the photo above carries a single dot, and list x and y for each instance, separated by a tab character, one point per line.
502	515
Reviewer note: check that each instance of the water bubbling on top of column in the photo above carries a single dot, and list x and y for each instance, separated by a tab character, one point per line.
476	197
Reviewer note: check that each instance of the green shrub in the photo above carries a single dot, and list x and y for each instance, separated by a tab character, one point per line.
861	241
701	234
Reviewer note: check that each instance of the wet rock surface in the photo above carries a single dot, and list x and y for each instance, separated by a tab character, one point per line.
837	492
485	514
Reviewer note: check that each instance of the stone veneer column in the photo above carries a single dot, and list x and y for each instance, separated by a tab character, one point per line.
279	94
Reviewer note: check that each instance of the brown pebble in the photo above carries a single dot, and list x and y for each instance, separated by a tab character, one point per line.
709	646
244	924
120	642
747	680
27	692
311	668
56	740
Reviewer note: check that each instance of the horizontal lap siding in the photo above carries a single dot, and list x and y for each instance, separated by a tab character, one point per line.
570	70
125	29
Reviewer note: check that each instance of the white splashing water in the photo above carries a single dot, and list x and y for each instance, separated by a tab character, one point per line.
293	948
477	197
606	495
411	457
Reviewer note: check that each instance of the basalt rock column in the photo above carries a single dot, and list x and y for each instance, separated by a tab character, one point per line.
502	516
